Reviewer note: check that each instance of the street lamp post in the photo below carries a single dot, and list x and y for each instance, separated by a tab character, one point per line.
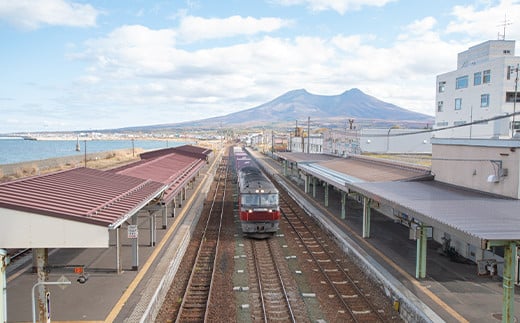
4	262
39	284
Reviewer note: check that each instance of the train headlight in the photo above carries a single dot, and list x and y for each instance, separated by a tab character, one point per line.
250	211
270	211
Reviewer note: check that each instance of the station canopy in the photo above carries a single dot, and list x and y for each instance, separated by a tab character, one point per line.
479	216
71	208
172	167
77	207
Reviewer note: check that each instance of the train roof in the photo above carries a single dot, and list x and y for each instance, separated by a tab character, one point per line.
251	179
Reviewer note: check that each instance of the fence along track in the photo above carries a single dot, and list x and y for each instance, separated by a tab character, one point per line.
272	294
346	289
197	296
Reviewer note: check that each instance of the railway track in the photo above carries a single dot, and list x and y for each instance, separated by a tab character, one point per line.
273	299
352	300
297	276
197	298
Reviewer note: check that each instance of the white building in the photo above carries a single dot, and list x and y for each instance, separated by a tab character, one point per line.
482	87
312	144
376	140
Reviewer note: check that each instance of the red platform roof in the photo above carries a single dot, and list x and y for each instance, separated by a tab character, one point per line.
186	150
165	166
81	194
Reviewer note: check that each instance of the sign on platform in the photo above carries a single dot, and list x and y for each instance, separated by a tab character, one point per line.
133	233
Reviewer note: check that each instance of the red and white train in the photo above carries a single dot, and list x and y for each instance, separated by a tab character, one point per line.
258	199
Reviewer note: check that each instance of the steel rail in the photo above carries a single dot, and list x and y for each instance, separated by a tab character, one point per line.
183	314
355	316
226	178
279	275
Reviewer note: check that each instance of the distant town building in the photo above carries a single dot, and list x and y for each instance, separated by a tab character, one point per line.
312	144
482	87
367	140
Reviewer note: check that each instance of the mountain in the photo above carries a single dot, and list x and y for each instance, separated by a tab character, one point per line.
327	110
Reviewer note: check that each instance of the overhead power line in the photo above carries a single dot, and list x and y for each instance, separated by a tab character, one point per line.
444	128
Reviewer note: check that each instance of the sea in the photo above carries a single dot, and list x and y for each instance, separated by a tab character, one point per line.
14	150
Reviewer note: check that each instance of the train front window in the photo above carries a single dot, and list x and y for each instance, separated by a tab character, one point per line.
269	199
250	199
262	200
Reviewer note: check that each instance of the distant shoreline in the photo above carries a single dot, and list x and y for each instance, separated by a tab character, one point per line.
72	138
94	160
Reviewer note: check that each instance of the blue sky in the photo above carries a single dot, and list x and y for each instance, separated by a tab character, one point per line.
80	65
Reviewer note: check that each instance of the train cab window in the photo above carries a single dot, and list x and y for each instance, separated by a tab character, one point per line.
269	199
250	199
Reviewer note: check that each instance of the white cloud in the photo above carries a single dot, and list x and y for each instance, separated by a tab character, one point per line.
197	28
419	27
341	6
486	22
137	66
28	14
131	50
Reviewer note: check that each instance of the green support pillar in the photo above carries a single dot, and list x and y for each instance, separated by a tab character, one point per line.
307	183
343	204
366	217
284	168
420	264
314	186
326	195
508	304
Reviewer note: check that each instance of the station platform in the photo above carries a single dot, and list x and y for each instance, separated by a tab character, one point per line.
108	296
453	291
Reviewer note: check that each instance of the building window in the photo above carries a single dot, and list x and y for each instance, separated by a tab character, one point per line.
459	123
462	82
484	100
440	106
442	87
510	97
477	78
442	124
458	103
486	78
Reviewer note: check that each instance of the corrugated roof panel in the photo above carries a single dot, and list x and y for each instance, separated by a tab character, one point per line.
81	194
172	169
304	157
480	215
186	150
164	169
373	171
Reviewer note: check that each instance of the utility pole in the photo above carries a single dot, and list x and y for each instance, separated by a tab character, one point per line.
514	100
308	135
272	142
